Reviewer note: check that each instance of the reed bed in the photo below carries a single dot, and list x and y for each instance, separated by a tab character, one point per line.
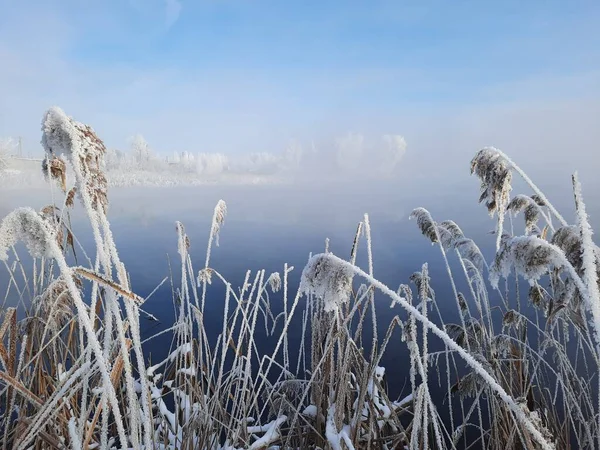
517	371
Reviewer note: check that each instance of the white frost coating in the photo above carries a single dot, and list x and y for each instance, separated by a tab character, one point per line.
47	241
588	256
59	134
531	257
50	407
217	222
275	282
211	163
521	415
63	135
271	434
26	225
61	373
531	185
328	281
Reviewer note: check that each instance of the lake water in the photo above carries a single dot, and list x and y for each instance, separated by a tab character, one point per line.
268	226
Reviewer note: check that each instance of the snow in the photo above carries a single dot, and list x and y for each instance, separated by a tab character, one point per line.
181	350
310	411
187	371
335	437
74	435
404	402
271	431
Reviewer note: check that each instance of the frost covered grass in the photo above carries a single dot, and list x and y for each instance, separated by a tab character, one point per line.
517	370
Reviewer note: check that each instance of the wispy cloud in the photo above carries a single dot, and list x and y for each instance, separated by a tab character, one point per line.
173	10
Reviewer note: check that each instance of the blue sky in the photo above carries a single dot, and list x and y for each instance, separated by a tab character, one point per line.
242	75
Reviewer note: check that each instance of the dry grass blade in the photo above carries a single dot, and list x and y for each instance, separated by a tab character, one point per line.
56	169
49	439
115	376
27	394
90	275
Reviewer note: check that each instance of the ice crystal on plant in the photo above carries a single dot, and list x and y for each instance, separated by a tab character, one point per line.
24	224
495	175
275	281
63	135
529	207
531	257
425	223
327	280
450	233
205	276
494	172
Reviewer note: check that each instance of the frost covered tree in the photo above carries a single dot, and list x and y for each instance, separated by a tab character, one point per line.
6	148
354	152
211	163
188	161
293	155
3	159
349	151
114	159
260	162
392	152
140	149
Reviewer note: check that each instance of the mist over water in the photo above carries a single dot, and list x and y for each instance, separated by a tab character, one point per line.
269	226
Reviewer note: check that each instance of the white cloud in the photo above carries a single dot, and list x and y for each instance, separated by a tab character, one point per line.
173	10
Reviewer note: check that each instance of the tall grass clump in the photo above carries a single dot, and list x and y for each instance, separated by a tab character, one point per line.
515	371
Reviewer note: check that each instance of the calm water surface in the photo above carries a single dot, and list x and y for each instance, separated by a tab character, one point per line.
267	227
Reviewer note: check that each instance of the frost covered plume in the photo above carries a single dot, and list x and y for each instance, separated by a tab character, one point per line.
24	224
494	172
79	143
327	280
